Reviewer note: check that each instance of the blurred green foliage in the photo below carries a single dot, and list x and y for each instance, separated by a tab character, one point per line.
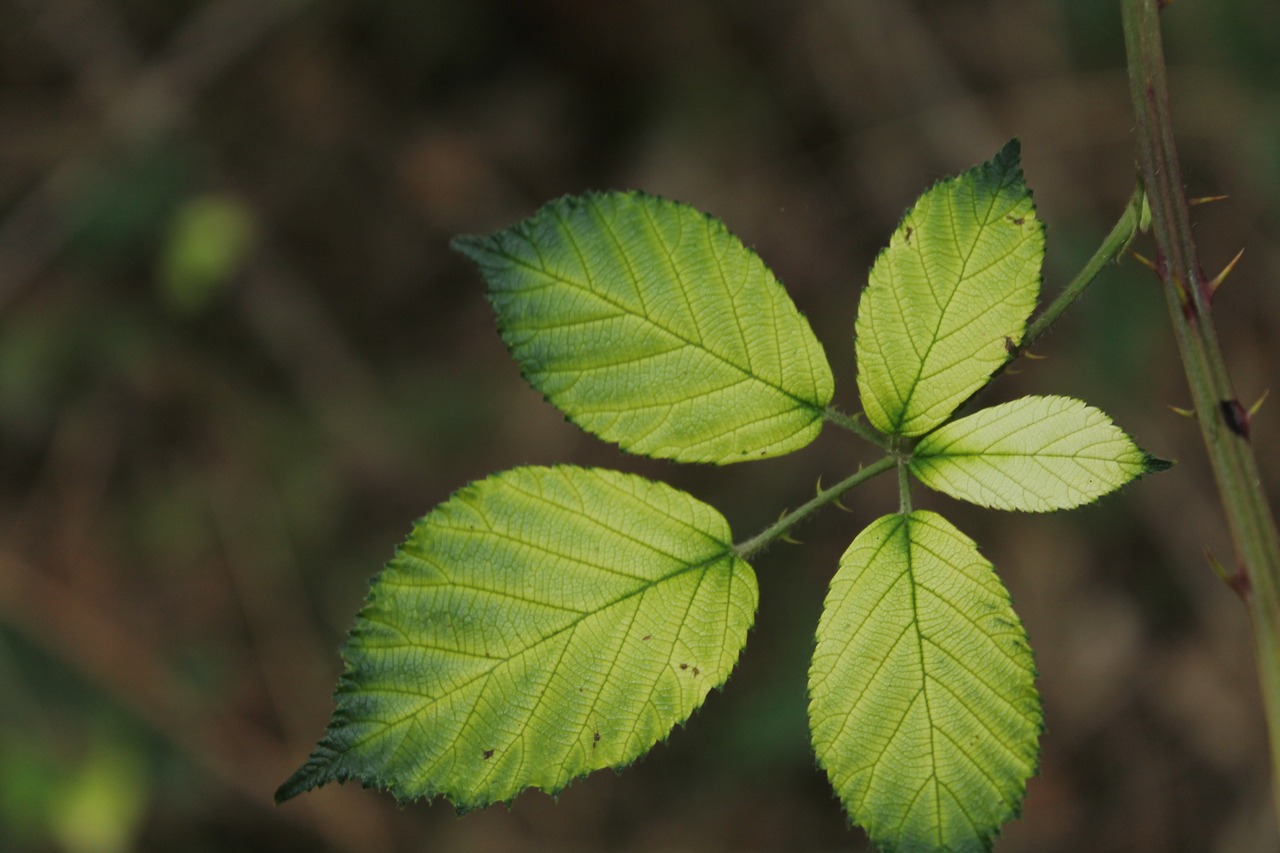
209	240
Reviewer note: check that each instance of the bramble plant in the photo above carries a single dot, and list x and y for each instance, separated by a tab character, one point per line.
546	622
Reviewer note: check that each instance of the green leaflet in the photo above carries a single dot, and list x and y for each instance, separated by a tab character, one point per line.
1035	454
948	296
650	325
540	624
922	704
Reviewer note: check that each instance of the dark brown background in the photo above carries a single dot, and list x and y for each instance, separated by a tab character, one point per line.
195	487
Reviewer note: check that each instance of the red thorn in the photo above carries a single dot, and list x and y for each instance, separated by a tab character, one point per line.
1236	417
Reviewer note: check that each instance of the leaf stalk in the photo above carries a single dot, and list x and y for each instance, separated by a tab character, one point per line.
1109	251
857	426
904	488
746	550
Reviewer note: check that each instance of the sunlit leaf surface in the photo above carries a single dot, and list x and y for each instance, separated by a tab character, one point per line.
540	624
948	297
650	325
1035	454
923	709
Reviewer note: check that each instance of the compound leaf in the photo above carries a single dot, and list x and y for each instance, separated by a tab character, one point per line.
949	296
922	708
650	325
1034	454
540	624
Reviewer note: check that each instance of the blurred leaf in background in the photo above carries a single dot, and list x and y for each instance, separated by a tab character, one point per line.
208	242
98	809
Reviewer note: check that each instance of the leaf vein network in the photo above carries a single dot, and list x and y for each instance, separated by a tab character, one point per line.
587	290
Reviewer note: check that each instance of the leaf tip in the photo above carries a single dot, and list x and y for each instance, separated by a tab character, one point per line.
305	778
1005	168
1154	464
1010	156
469	245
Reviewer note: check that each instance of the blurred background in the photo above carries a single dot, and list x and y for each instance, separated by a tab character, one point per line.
237	359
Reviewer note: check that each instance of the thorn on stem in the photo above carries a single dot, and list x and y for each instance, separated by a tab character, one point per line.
1216	282
1236	417
1237	580
1186	413
1206	199
1161	266
1253	410
1218	568
1145	261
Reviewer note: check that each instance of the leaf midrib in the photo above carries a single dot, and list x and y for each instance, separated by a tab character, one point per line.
645	317
704	565
960	278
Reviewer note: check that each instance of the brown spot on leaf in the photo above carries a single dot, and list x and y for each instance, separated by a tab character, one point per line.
696	672
488	753
906	235
684	666
646	637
